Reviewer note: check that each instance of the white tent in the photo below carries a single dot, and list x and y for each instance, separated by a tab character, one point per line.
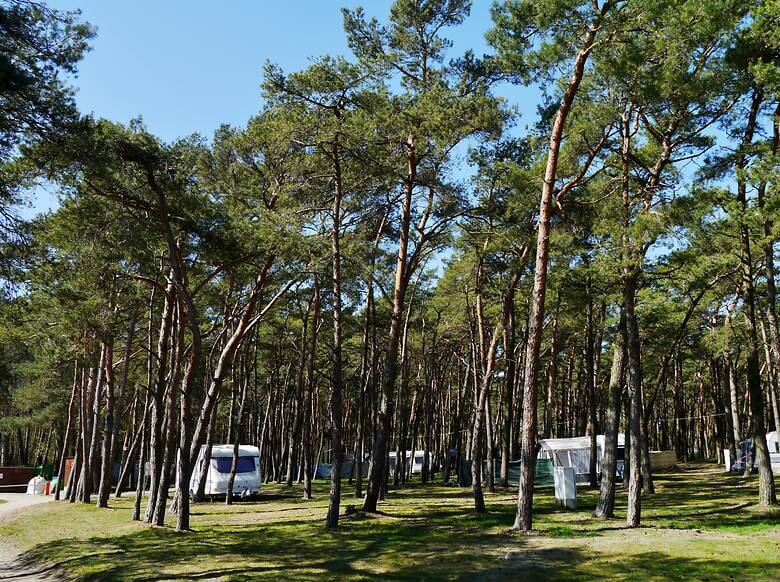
247	481
575	452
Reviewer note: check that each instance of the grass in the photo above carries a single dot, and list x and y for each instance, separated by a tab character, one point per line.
701	524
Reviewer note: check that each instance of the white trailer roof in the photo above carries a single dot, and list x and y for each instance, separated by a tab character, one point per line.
573	443
220	451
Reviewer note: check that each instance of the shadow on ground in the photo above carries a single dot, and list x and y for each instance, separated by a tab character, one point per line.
699	524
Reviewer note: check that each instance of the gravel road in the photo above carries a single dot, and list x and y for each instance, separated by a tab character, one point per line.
12	566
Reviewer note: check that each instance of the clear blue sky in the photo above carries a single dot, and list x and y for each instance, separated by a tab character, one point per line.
189	66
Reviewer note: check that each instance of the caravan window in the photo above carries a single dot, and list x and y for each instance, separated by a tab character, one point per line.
245	464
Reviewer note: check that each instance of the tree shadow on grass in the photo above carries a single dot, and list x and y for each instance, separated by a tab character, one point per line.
297	549
424	532
575	565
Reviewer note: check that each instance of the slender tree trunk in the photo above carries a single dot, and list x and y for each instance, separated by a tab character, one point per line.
336	405
648	485
127	465
360	443
111	439
66	438
308	462
509	380
75	469
590	386
769	263
89	427
378	466
139	486
295	434
605	508
766	488
236	440
94	445
158	395
169	448
107	465
529	446
479	413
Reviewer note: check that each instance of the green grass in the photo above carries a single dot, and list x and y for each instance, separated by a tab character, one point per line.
701	524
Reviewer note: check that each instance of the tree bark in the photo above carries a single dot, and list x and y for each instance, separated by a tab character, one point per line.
605	508
529	447
66	437
479	413
308	462
336	405
107	465
378	465
766	488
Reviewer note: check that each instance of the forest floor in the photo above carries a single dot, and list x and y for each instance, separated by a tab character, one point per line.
700	524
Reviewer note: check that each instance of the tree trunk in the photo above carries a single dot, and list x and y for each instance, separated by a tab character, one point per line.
378	466
509	382
766	489
479	413
107	464
528	449
336	405
139	486
769	263
66	437
158	396
590	385
89	427
605	508
308	462
236	441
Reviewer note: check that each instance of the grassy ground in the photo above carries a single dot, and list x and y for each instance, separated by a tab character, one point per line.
701	524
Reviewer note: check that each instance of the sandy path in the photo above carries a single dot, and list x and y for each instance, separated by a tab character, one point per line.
11	565
17	501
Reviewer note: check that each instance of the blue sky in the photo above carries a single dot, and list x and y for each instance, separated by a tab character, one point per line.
188	67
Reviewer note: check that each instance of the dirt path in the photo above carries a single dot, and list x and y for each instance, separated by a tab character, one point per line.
17	501
12	566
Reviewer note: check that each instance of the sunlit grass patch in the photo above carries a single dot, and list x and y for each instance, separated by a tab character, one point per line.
699	524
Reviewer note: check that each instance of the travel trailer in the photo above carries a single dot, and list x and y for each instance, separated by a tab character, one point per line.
247	481
744	449
417	465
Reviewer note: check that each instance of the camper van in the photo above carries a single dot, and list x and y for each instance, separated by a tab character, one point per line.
247	481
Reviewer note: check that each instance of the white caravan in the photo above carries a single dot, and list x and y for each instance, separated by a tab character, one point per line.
419	458
247	480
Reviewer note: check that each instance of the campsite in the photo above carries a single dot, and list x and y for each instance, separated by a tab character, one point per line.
400	289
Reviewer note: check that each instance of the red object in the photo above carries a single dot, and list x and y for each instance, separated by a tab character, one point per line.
68	468
48	484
